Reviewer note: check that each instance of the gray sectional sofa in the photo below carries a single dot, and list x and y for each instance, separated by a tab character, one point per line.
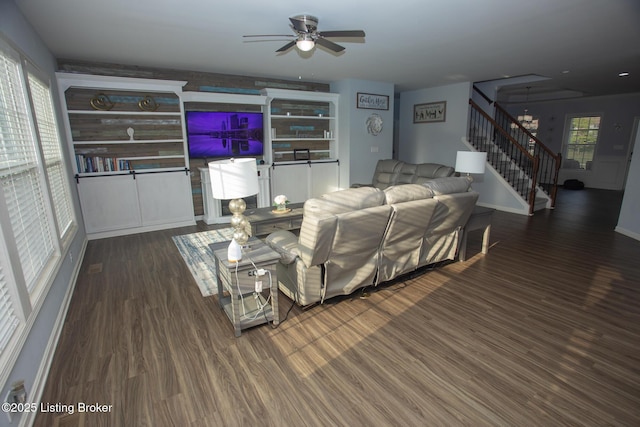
390	172
364	236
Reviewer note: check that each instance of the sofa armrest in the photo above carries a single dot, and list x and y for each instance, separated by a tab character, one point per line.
286	244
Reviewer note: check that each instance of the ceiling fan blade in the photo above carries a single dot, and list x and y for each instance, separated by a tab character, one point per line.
299	25
345	33
329	45
286	46
269	35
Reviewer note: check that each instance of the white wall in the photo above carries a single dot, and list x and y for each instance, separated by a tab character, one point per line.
611	158
33	362
360	151
629	219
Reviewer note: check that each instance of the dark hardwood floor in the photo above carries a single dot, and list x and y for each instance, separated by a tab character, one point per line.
542	331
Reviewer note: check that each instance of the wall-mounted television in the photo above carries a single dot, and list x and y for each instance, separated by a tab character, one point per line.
215	134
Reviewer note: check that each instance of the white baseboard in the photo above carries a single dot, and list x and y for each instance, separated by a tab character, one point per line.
40	379
628	233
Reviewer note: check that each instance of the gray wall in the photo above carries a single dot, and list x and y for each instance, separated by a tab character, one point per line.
360	151
434	142
32	363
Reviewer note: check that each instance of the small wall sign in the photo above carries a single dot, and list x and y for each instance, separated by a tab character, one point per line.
372	102
430	113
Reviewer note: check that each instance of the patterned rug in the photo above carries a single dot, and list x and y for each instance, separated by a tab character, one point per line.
195	250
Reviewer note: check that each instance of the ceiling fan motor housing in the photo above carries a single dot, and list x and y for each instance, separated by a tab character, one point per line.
308	21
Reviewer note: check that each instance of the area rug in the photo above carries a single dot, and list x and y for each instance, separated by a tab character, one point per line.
195	250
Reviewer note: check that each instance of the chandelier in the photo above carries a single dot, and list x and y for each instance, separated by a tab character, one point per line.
526	120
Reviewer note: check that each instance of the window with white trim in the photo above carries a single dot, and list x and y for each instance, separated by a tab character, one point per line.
51	151
36	211
581	141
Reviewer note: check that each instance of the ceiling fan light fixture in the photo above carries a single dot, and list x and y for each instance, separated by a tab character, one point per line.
305	44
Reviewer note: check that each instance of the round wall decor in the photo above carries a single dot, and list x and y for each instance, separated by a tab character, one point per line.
374	124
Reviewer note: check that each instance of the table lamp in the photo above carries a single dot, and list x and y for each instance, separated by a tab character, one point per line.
233	179
471	162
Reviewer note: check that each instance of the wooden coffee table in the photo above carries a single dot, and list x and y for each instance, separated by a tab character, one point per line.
265	221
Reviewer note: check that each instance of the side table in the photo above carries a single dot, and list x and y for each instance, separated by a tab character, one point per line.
480	219
243	304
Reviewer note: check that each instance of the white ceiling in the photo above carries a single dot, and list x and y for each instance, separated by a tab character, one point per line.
411	43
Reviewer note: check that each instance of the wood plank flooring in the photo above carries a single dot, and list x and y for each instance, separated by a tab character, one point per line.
542	331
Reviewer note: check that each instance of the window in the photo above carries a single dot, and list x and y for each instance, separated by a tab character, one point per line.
52	153
581	141
36	212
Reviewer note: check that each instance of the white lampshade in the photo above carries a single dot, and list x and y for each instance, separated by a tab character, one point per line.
233	178
470	161
305	45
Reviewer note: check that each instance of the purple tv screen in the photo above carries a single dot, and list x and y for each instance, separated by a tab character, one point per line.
212	134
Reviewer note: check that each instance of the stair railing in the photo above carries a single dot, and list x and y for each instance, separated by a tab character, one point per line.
507	156
549	161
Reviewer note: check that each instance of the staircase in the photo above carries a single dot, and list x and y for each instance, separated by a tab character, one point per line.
520	158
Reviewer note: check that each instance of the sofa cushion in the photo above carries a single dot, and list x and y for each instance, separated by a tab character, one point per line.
350	199
386	173
449	185
406	193
426	171
407	172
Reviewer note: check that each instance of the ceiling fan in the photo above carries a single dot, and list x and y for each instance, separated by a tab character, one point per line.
307	35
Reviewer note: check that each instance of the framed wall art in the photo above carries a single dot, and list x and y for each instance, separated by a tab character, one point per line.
371	101
430	113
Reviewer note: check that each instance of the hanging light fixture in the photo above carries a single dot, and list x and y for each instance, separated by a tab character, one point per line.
526	120
305	42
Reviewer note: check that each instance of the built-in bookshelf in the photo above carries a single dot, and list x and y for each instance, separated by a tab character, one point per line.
127	141
114	131
303	141
301	129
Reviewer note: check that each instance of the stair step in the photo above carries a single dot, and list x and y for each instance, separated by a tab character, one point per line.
540	203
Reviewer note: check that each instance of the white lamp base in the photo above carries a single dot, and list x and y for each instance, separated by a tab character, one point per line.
234	251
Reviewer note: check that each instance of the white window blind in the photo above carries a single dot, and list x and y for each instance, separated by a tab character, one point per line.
21	175
50	143
8	319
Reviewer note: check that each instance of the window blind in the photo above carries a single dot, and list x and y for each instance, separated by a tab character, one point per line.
52	153
8	319
21	176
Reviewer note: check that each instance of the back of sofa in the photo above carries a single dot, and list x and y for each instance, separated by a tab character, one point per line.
413	206
426	224
342	231
455	205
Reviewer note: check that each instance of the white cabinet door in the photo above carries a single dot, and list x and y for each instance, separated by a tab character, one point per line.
109	203
164	198
304	181
324	178
292	181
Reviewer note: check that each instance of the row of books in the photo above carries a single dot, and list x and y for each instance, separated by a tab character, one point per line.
100	164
